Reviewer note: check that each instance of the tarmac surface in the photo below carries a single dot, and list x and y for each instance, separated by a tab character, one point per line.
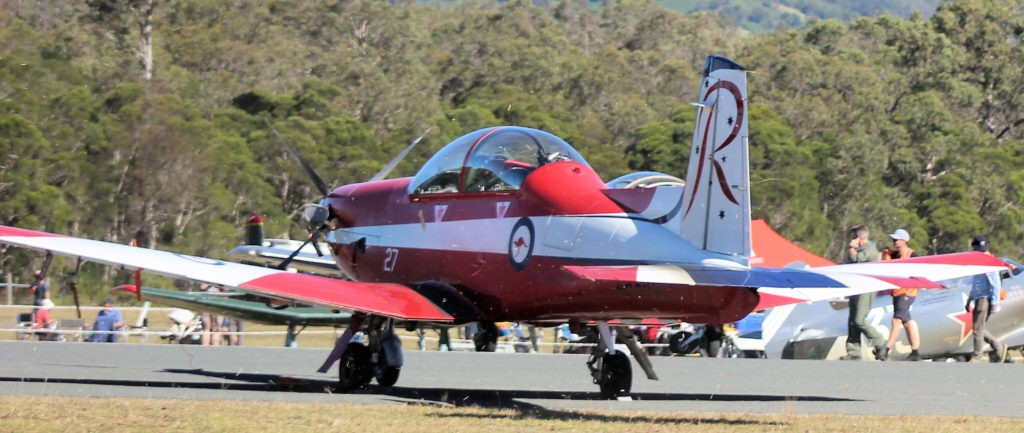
514	380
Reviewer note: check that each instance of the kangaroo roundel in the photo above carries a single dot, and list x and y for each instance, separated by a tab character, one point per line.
520	244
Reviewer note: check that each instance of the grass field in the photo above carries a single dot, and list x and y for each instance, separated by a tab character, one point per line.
55	414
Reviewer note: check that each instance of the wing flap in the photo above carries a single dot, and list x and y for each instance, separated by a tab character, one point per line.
385	299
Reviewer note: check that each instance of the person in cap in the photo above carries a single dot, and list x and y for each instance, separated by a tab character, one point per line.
40	290
985	292
902	299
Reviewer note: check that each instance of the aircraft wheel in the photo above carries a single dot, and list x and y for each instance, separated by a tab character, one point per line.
388	376
355	370
677	343
616	377
486	338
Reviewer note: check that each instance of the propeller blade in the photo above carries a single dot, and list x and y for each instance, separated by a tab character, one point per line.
384	172
316	245
284	264
320	185
312	238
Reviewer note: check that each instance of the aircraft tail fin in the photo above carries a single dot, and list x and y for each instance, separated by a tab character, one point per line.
716	202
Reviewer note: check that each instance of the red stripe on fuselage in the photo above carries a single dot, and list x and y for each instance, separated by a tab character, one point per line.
769	300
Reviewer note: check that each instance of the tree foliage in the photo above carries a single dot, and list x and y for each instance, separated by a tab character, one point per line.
885	121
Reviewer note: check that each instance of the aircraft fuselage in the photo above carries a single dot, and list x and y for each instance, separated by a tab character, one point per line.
505	251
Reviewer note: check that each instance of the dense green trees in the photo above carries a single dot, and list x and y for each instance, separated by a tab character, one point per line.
890	122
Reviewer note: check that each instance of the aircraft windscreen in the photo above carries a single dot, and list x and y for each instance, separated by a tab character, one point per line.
441	173
495	159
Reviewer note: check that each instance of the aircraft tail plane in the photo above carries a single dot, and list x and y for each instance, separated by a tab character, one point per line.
716	202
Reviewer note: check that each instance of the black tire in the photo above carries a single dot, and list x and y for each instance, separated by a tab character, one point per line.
486	337
616	376
388	376
677	343
354	371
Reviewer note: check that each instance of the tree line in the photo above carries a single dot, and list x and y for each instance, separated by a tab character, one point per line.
146	119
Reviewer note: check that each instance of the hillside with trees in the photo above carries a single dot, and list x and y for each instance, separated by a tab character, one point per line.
146	119
762	16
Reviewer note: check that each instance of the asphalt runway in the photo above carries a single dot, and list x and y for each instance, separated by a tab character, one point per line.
514	380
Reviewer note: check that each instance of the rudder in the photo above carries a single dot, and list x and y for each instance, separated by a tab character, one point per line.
716	203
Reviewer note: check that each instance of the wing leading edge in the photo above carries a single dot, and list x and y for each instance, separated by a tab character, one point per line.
384	299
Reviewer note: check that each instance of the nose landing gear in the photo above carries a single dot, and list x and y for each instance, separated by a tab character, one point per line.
610	368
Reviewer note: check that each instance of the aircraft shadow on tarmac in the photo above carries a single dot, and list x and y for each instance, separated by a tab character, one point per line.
490	398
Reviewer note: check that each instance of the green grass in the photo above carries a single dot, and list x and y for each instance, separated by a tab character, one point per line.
55	414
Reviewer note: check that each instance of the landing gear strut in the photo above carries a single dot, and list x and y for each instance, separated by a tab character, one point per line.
374	353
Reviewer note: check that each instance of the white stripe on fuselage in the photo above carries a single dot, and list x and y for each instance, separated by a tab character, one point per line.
614	237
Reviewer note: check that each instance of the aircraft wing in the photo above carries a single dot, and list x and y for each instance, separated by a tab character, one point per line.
778	287
384	299
251	311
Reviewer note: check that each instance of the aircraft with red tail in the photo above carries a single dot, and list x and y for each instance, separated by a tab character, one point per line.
512	224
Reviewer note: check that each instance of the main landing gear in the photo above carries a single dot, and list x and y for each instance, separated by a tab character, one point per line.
610	368
486	337
376	353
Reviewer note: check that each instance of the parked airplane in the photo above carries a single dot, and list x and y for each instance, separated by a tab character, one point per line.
511	224
818	330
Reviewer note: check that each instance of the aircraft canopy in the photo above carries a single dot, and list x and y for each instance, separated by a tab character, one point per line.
490	160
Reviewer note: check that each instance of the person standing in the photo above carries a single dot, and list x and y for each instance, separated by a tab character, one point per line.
984	295
861	249
902	299
40	290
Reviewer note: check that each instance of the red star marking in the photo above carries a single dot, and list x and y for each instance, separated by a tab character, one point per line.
966	320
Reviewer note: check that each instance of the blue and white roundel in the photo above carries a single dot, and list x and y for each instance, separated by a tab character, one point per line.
520	244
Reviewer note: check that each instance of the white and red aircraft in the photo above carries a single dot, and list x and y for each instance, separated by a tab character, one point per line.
511	224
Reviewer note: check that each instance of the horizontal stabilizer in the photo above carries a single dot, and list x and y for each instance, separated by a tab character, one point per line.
695	275
788	286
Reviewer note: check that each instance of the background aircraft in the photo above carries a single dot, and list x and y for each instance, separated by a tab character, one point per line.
512	224
818	330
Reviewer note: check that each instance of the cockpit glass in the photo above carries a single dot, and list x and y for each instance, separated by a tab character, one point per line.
491	160
441	174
